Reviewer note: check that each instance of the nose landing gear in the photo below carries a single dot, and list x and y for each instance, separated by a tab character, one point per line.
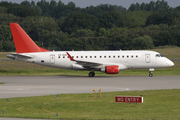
150	72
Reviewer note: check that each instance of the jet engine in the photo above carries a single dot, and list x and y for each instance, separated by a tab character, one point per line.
113	69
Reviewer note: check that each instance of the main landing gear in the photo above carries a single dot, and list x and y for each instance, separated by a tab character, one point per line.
91	74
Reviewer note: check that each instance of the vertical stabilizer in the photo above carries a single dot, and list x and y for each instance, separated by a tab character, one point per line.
23	43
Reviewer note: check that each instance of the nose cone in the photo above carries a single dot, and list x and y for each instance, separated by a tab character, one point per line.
170	63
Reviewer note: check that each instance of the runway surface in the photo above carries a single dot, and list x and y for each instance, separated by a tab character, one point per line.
21	86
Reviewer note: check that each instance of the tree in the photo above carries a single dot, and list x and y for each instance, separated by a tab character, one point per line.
26	3
80	20
154	19
111	19
144	42
102	32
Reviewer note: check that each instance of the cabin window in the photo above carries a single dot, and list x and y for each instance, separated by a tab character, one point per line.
113	56
104	56
81	56
94	56
132	56
127	56
86	56
123	56
59	57
100	56
76	56
63	56
72	56
118	56
90	56
109	56
136	56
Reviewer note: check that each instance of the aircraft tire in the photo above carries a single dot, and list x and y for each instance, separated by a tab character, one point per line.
150	75
91	74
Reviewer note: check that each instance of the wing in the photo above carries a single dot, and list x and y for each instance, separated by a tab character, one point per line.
85	64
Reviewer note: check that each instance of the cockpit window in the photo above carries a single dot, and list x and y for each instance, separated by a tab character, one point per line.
159	55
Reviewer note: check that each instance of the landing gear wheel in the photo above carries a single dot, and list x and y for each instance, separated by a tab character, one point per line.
150	74
91	74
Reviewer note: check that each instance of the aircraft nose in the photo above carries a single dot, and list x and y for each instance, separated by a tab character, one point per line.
170	63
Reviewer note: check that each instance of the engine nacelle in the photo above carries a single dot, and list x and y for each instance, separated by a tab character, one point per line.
113	69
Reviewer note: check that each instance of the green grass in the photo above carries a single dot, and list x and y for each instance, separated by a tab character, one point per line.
1	83
4	54
158	104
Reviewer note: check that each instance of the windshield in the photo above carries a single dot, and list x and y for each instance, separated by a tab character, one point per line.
159	55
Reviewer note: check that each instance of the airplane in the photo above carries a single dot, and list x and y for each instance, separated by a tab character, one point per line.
110	62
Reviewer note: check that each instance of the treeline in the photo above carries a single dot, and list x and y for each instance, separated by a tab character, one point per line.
59	26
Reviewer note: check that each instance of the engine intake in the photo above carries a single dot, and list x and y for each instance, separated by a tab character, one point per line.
113	69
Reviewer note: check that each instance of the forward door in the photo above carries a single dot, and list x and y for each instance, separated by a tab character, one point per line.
147	58
52	59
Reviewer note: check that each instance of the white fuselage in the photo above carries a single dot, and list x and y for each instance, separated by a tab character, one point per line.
123	59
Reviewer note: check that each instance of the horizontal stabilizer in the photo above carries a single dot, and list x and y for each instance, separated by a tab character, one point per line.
15	55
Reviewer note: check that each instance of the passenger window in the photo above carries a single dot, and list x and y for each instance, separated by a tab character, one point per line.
76	56
86	56
94	56
72	56
127	56
118	56
113	56
136	56
59	57
81	56
109	56
104	56
63	56
123	56
132	56
90	56
100	56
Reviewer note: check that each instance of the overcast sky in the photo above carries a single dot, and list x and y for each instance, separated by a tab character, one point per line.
85	3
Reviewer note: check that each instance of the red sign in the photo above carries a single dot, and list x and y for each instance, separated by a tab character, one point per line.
127	99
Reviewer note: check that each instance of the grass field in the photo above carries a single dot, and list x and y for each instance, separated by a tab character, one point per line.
158	104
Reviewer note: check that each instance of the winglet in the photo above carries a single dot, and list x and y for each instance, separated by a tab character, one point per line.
71	58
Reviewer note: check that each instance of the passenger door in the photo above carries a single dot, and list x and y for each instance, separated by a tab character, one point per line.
52	59
147	58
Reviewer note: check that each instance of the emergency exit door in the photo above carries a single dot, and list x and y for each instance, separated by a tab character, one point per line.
52	59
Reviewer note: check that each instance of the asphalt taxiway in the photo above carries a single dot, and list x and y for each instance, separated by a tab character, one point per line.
22	86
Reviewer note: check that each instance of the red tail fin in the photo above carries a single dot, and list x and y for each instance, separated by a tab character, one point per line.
23	43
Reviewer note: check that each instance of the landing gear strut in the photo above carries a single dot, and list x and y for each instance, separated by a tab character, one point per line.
91	74
150	74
